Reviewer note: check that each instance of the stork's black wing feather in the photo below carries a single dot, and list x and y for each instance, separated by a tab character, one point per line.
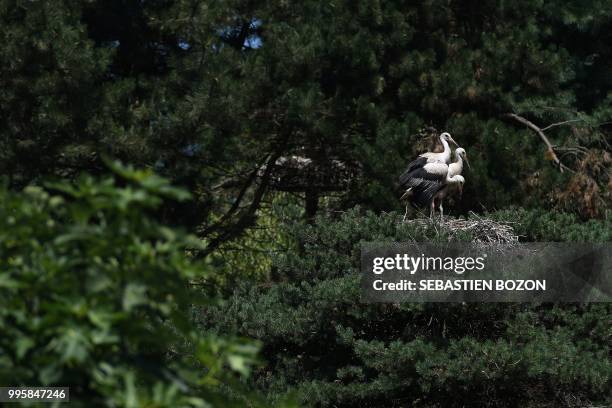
414	165
417	176
424	195
423	185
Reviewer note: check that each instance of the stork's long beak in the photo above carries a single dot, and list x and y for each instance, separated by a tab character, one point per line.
460	190
452	141
468	163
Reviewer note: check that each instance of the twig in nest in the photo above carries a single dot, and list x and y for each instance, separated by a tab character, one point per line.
483	230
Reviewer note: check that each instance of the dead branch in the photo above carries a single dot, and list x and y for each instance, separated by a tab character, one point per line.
540	132
246	215
561	124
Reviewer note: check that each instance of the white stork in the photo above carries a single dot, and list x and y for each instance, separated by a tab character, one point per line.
429	157
431	183
454	169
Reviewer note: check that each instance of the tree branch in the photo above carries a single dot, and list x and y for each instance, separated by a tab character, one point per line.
228	230
540	132
561	124
236	205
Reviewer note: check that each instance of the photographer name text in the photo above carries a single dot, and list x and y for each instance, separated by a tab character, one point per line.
461	285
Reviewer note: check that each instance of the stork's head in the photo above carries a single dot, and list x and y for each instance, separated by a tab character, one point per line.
460	152
448	138
459	181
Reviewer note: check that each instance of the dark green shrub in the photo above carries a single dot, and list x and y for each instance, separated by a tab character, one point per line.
320	340
543	225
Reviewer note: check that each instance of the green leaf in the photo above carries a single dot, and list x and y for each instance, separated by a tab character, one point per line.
72	346
7	282
134	295
22	345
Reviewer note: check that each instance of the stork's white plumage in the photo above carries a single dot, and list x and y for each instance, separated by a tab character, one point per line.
454	173
456	167
445	155
432	182
428	158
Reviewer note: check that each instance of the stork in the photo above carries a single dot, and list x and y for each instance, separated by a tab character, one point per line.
428	158
432	183
454	169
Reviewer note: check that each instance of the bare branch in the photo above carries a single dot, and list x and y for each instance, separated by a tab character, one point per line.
540	132
561	124
235	206
246	215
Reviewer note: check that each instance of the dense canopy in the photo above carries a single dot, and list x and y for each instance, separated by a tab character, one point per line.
277	117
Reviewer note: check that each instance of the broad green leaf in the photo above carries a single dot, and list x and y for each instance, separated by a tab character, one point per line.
134	295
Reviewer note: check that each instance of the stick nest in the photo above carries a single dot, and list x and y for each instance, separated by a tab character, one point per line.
483	230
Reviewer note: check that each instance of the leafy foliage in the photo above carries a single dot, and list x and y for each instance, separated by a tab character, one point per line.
96	294
219	97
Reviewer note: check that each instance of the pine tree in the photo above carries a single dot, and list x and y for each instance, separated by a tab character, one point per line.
333	350
212	95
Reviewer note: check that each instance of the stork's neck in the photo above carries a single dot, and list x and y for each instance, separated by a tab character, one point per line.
459	164
446	154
